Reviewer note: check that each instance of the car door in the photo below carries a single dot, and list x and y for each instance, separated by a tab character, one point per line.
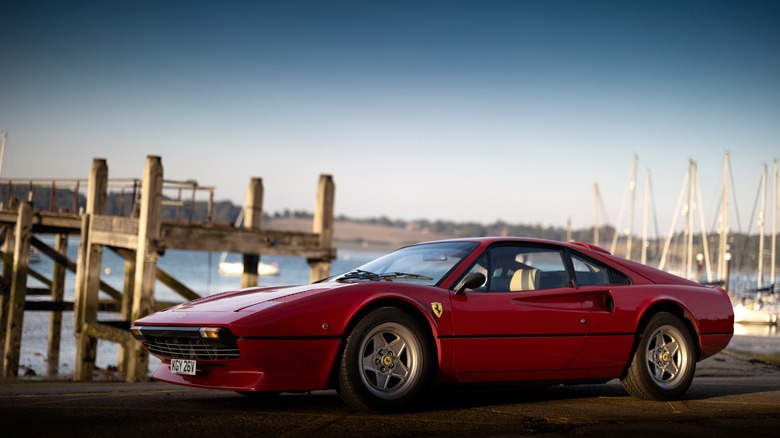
610	307
526	317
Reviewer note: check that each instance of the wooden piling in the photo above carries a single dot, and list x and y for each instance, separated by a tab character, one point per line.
5	292
88	283
18	293
323	225
57	295
125	312
146	261
253	219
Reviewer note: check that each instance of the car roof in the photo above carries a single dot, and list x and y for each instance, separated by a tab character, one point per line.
580	246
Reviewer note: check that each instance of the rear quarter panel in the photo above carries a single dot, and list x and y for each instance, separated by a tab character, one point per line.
708	310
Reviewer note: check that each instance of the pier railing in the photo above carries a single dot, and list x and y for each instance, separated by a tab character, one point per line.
46	194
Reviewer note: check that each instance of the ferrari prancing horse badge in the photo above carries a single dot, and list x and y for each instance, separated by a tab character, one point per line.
437	309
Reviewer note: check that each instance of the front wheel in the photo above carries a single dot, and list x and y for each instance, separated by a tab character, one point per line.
665	360
386	362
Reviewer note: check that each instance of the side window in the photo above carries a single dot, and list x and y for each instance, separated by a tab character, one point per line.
482	267
518	268
589	272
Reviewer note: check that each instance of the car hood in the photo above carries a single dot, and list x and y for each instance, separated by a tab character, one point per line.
253	299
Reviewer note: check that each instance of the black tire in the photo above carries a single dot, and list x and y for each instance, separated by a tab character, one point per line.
664	362
386	362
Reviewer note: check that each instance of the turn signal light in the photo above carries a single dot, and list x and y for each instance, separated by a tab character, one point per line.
210	332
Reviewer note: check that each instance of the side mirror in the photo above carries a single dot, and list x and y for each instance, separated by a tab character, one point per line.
472	281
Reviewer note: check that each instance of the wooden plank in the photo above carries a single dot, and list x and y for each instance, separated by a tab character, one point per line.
110	333
8	260
115	231
47	222
110	239
66	306
164	277
61	259
202	238
13	334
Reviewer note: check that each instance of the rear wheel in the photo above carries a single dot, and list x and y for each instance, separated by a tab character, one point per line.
665	360
386	362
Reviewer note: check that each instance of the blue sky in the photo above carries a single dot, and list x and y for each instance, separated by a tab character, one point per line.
454	110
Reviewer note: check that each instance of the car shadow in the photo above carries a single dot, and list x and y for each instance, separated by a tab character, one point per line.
468	397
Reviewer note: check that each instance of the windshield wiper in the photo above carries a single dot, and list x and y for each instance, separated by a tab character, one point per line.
366	275
390	275
359	273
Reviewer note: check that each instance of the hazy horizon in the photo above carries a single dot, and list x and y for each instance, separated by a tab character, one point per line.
444	110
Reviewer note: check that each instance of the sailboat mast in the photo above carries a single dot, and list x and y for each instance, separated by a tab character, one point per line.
2	150
630	230
761	216
690	222
724	218
643	257
596	213
775	196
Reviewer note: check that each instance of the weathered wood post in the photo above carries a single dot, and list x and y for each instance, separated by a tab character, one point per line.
17	296
323	225
8	248
88	273
146	261
253	219
126	310
57	295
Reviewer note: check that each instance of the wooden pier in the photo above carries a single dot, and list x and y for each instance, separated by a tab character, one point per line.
140	241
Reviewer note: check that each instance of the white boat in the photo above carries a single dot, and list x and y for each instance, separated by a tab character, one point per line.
237	268
755	314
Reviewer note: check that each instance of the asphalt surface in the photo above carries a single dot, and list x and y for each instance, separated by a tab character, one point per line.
735	393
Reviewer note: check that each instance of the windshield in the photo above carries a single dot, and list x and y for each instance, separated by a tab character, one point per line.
426	263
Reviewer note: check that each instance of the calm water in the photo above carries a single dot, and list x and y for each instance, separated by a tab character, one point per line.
196	269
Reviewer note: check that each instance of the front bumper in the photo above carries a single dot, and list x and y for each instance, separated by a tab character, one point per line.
296	364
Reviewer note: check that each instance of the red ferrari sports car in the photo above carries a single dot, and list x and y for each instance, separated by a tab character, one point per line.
449	312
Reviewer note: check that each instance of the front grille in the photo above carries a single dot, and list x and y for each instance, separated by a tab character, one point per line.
212	343
188	348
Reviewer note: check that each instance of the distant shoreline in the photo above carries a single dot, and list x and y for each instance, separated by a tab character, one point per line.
347	234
